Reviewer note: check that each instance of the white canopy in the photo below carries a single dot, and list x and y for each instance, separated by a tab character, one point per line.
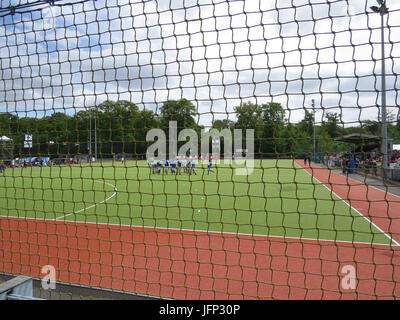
4	138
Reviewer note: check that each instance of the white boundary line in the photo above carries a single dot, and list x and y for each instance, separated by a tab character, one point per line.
340	198
202	231
207	231
93	205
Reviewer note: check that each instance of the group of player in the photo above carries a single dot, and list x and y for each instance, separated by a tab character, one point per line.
187	166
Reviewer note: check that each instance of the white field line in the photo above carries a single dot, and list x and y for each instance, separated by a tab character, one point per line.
266	236
369	221
93	205
199	231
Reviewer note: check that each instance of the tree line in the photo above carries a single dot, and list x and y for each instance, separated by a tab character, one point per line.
121	128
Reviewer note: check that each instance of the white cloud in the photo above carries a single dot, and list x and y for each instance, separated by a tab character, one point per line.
216	53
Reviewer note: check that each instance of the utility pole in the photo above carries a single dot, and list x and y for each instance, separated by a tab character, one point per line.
314	141
382	10
95	139
90	136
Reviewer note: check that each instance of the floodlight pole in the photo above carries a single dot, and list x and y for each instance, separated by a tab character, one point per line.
95	139
384	124
90	136
382	10
314	141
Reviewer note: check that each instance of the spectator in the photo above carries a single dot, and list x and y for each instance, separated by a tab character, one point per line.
325	159
374	167
357	163
343	164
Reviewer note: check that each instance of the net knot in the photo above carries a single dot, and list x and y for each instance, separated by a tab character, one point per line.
12	10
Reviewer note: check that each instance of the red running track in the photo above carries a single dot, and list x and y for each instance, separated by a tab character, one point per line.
380	207
200	265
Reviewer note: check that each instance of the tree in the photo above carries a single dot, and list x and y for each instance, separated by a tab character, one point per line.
273	121
331	125
371	127
8	123
307	124
222	124
147	120
182	111
302	143
396	131
289	140
249	117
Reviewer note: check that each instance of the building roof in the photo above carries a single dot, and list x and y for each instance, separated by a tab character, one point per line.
359	138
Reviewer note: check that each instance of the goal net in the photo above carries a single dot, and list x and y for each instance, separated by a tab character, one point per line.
262	139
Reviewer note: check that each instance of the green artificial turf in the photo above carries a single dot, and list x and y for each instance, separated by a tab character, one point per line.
277	199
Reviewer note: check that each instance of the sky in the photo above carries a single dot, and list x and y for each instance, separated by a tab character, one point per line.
216	53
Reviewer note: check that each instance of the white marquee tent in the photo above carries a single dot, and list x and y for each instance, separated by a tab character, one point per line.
4	138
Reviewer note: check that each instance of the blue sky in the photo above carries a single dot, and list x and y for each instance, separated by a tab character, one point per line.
215	53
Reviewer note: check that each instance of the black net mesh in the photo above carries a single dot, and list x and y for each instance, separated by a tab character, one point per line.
302	94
